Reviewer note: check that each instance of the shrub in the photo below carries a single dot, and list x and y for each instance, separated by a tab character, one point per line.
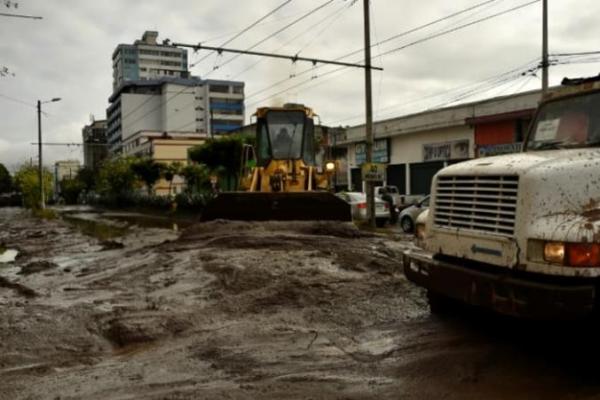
70	189
28	184
5	180
116	180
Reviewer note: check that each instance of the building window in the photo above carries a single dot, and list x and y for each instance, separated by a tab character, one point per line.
238	89
219	88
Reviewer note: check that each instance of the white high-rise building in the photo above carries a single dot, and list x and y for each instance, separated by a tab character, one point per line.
175	107
154	96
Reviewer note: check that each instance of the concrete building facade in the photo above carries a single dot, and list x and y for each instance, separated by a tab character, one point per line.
190	106
146	59
95	145
416	146
64	169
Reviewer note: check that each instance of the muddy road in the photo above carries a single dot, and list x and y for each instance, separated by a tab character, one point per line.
229	310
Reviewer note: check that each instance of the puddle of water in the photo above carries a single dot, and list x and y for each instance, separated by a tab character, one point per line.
105	225
8	255
149	221
96	228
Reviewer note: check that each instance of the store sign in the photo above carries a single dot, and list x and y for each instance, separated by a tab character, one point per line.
498	149
456	150
373	172
381	152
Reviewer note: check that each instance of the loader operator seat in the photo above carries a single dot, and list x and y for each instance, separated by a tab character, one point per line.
282	142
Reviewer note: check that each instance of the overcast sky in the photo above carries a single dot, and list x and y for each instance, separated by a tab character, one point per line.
67	54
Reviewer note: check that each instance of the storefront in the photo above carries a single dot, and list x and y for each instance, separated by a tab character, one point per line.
500	133
415	147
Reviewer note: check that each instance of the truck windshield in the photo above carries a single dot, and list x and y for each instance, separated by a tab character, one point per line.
286	129
570	122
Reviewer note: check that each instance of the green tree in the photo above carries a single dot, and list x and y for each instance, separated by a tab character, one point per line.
70	188
170	171
116	178
5	180
28	184
148	171
87	177
222	155
196	177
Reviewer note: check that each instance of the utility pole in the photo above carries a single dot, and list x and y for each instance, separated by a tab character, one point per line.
545	62
369	114
40	171
40	168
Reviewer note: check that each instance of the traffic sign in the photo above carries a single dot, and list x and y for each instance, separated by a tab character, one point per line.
373	172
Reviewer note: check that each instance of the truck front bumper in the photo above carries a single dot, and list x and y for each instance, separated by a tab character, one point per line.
501	291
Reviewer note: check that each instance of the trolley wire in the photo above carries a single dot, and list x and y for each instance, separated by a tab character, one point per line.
294	22
246	29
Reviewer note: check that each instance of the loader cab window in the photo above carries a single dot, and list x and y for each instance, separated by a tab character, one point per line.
263	143
286	131
308	155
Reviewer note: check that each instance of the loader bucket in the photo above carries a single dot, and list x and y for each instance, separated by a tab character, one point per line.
261	206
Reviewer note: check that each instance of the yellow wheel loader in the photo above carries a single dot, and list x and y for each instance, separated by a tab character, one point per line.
279	179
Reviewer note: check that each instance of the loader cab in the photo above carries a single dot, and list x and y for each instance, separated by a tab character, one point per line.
285	133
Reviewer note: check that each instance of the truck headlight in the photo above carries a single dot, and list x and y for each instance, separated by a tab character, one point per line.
554	252
573	254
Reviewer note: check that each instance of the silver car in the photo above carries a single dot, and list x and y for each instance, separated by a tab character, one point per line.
358	205
409	215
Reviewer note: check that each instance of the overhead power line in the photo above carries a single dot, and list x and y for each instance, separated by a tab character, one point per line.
448	31
20	16
416	42
293	58
391	38
585	53
15	100
71	144
336	14
294	22
422	27
448	97
252	25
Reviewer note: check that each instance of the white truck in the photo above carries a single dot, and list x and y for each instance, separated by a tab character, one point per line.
520	233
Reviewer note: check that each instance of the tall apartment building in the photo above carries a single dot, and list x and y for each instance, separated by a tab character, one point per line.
95	148
146	59
154	95
174	107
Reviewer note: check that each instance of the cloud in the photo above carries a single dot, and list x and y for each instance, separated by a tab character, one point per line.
68	54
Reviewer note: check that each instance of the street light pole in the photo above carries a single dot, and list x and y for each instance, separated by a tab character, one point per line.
40	167
40	170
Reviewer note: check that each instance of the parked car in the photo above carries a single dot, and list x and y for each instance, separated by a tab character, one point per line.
409	215
358	206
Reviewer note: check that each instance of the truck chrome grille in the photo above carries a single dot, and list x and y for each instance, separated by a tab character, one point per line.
478	203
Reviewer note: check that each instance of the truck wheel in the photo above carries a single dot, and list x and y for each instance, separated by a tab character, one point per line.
407	225
438	303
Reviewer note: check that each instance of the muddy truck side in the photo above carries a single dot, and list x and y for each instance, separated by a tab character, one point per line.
520	233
